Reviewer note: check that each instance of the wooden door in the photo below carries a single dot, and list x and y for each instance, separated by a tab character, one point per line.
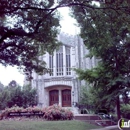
66	98
54	97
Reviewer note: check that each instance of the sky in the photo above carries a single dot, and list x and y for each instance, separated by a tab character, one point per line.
67	22
9	73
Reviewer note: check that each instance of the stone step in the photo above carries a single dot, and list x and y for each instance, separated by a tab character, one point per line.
87	117
100	122
105	122
94	119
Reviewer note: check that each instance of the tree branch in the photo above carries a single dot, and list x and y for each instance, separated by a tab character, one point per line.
14	32
12	44
19	32
77	3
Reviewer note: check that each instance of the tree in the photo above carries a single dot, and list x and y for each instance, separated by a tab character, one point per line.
29	96
15	96
106	33
1	87
94	99
27	30
12	84
4	98
21	96
33	29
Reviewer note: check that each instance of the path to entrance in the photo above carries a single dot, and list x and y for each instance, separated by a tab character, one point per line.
115	127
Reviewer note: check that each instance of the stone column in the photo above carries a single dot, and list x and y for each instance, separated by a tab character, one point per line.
72	94
71	59
60	98
54	63
64	61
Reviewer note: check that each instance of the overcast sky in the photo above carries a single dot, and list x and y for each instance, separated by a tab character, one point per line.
9	73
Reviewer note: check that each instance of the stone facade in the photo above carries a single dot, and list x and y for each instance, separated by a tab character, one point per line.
62	85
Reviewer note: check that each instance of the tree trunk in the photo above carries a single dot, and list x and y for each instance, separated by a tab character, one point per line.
118	108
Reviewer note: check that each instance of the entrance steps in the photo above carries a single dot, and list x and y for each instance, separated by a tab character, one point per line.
87	117
93	119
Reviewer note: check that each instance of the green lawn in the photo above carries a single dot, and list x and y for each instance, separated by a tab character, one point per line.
45	125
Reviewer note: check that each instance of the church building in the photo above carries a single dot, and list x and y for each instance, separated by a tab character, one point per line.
62	85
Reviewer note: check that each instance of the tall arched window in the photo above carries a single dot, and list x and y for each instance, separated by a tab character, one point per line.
59	61
51	65
68	61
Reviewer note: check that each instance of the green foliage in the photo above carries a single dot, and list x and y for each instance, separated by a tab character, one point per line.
21	97
86	96
15	95
125	110
96	99
29	96
27	29
1	86
4	98
106	33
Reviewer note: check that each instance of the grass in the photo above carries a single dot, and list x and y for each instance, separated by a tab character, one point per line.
45	125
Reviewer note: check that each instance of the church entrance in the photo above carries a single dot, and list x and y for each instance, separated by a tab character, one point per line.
60	95
66	98
54	97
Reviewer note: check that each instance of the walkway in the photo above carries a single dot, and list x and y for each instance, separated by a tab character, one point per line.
115	127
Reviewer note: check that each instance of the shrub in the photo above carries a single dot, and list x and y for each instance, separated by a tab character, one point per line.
56	112
15	109
5	113
125	110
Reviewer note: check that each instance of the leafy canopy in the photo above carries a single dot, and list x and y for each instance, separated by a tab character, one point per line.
21	96
106	33
27	30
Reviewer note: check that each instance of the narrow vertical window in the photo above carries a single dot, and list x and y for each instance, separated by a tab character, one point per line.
59	61
68	62
51	64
